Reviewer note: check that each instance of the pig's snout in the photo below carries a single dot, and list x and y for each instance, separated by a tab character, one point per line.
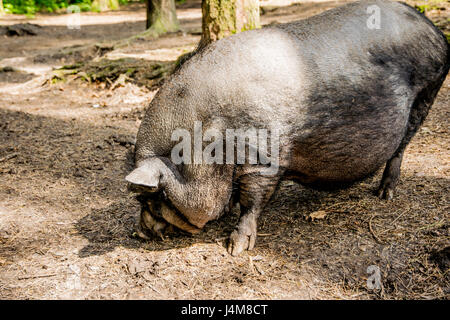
141	189
149	226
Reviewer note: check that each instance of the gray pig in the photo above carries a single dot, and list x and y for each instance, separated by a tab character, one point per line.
346	90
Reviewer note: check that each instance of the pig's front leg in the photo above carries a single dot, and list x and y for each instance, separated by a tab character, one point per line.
390	178
255	191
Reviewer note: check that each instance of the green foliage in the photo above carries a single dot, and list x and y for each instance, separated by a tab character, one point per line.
103	5
427	7
30	7
20	6
421	8
85	5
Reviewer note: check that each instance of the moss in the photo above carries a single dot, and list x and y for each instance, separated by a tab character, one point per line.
422	8
251	8
55	80
103	5
139	71
426	7
130	71
113	4
158	28
72	66
222	18
162	19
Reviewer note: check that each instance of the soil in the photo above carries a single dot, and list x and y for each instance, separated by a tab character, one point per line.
67	220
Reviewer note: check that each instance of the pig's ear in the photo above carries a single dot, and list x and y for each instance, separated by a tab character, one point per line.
144	176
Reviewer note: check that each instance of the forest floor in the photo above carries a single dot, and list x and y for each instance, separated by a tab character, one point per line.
67	220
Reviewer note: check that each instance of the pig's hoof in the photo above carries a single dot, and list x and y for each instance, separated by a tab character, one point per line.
227	209
241	239
240	242
140	234
386	192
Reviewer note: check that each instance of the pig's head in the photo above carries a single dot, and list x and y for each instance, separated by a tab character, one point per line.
158	214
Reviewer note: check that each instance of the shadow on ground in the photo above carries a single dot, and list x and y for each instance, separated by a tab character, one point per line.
11	75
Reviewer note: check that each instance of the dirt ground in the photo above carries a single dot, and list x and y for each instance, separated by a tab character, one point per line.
67	220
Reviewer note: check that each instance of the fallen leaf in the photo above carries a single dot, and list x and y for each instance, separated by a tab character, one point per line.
136	266
321	214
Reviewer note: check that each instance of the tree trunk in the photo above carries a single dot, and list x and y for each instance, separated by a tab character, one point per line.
2	10
161	17
104	5
222	18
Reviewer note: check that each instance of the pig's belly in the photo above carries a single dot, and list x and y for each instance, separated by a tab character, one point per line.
350	132
342	156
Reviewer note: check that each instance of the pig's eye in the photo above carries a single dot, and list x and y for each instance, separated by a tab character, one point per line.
143	198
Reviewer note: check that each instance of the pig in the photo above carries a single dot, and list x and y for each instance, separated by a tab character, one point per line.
345	90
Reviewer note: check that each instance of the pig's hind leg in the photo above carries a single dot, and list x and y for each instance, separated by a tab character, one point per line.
255	191
418	113
391	175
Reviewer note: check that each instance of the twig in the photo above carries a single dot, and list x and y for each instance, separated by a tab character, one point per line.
251	266
432	226
372	232
38	276
153	288
9	156
261	272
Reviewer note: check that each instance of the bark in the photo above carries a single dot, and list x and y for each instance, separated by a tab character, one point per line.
161	17
222	18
